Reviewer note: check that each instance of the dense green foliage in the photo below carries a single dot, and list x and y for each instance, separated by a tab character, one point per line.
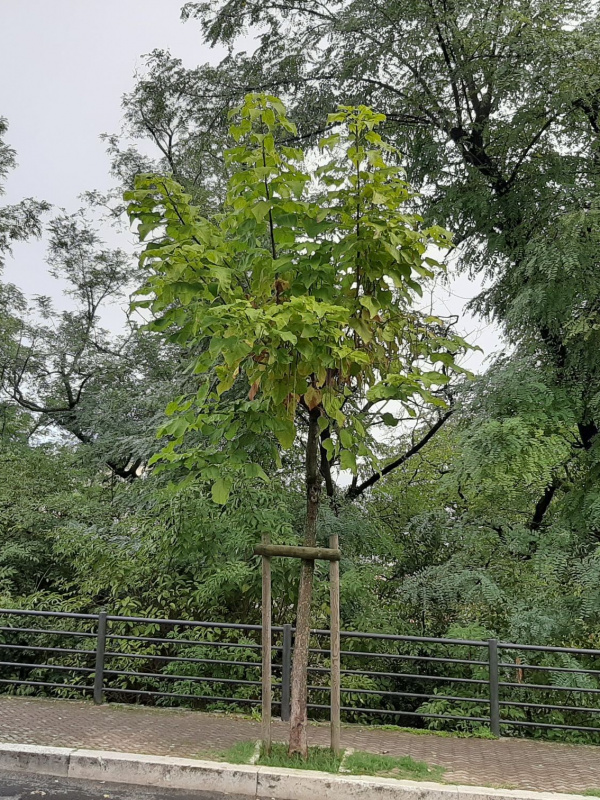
485	519
306	303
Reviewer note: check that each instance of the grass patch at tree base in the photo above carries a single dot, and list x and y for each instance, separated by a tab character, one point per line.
322	759
319	758
239	753
403	768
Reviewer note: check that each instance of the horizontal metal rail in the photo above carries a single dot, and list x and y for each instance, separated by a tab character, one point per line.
522	724
548	687
193	642
19	612
545	706
394	712
549	649
190	623
392	637
153	657
167	676
382	693
59	667
367	673
48	631
45	683
443	678
544	668
47	649
399	656
28	643
213	698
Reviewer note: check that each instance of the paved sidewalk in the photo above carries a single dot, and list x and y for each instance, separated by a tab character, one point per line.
507	763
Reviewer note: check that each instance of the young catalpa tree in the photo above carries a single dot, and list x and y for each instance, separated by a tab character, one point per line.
299	301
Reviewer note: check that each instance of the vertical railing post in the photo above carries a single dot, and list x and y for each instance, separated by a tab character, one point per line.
100	650
286	673
494	687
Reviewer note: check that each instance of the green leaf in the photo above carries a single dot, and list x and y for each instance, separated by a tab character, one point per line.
437	378
285	431
323	423
220	491
255	471
446	358
288	336
261	209
363	330
176	427
329	447
172	408
346	438
369	303
348	461
312	397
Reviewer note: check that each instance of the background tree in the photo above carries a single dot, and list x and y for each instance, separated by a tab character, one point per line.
19	221
497	117
77	380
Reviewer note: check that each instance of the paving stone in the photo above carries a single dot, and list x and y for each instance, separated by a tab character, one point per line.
507	763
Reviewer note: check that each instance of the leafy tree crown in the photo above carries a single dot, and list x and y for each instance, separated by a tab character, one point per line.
303	291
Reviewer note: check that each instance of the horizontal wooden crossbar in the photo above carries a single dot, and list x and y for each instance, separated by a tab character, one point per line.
292	551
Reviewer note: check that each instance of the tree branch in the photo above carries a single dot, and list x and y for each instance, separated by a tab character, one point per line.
529	147
356	490
542	506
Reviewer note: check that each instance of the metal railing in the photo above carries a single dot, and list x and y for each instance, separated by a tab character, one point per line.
509	688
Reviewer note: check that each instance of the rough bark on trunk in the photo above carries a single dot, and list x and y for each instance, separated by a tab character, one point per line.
298	712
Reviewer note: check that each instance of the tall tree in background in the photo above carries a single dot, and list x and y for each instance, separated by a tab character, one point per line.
496	112
72	378
22	220
304	292
18	222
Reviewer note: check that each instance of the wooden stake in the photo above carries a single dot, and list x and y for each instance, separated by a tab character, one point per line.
294	551
266	650
334	603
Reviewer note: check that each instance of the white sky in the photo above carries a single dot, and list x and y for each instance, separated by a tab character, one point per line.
65	65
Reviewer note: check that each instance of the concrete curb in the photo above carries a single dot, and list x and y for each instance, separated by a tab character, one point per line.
261	783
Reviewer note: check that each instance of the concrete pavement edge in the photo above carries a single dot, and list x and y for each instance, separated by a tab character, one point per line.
260	783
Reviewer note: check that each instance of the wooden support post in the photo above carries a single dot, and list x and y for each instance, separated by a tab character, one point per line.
331	554
334	603
286	673
293	551
266	650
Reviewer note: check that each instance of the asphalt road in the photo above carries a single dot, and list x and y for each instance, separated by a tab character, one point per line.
27	786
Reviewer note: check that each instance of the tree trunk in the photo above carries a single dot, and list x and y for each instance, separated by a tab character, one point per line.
298	713
542	505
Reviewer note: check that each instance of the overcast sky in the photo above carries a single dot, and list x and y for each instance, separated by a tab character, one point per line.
65	65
